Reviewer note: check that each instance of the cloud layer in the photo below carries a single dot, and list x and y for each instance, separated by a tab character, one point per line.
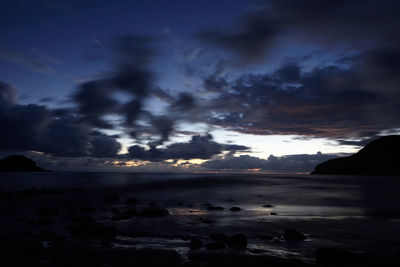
351	95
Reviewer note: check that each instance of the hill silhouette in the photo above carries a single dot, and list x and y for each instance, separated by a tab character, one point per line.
379	157
18	163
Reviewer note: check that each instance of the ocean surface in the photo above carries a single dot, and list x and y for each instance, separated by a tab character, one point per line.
291	195
357	212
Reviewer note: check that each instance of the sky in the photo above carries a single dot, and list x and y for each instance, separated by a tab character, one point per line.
256	85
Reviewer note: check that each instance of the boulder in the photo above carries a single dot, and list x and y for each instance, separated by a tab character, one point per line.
195	243
215	246
154	212
293	235
126	215
219	237
237	240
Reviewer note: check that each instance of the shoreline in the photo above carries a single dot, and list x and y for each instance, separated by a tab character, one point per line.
53	223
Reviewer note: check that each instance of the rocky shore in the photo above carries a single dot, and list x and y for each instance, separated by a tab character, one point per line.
76	227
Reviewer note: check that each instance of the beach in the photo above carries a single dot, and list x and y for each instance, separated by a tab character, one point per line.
144	219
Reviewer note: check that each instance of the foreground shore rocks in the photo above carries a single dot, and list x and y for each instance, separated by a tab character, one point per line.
60	228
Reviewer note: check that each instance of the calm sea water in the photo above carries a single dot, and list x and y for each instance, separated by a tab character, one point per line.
291	195
361	213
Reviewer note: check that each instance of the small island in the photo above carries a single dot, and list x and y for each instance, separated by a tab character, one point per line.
379	157
18	163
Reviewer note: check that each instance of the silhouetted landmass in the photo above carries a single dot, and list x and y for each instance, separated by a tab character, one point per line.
18	163
379	157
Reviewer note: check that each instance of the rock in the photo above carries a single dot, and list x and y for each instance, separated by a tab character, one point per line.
47	212
48	234
219	237
268	206
82	219
235	209
131	201
195	243
125	215
379	157
21	252
111	198
273	213
293	235
214	208
267	237
333	256
88	209
153	204
256	251
237	240
18	163
154	212
44	222
92	230
215	246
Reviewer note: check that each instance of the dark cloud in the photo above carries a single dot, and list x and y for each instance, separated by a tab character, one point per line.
23	127
199	147
8	95
255	33
54	132
94	100
130	74
327	101
289	163
104	146
353	23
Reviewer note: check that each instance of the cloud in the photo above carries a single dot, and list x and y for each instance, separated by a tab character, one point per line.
54	132
104	146
26	61
130	74
352	23
250	40
327	101
199	147
8	95
288	163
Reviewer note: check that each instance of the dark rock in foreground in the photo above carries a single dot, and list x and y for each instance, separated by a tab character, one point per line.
195	243
211	207
237	240
219	237
126	215
154	212
18	163
379	157
294	235
215	246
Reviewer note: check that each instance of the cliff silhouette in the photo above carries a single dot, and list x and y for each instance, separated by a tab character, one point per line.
379	157
18	163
